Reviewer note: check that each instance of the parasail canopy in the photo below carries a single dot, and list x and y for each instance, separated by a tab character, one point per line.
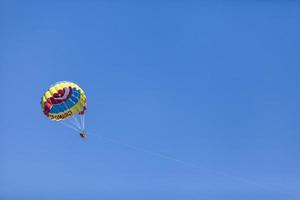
65	100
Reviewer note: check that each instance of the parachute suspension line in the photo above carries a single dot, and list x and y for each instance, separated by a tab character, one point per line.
80	116
75	121
69	126
74	117
74	124
82	121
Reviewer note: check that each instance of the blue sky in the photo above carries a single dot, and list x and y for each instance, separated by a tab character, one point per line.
215	84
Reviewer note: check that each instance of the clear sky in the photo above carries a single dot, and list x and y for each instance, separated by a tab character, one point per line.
212	83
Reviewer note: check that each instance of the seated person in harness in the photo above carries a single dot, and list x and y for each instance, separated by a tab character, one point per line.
83	135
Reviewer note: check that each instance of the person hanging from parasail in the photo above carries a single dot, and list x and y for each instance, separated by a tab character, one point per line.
83	135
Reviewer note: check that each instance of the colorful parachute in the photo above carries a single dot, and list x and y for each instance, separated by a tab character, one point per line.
65	102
